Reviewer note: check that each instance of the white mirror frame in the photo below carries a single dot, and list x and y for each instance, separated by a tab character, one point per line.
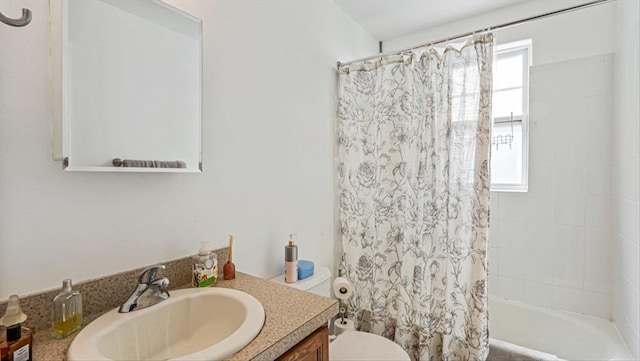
171	140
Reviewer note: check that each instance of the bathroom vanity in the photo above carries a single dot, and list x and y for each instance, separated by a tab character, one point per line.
313	348
295	325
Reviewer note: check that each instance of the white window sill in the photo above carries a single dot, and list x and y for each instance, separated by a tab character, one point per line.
510	188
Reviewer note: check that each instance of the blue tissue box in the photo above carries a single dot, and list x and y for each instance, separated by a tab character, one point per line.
305	269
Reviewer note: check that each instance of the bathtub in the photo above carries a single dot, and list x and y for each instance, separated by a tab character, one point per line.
567	335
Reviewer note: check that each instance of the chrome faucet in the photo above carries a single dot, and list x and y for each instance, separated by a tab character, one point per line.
148	292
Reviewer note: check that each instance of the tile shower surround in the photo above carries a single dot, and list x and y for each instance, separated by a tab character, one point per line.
551	246
626	175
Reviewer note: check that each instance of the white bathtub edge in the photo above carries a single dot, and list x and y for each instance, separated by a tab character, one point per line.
579	324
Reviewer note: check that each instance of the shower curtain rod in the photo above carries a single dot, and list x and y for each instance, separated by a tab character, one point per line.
491	28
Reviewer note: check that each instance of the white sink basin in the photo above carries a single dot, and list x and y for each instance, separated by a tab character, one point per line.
193	324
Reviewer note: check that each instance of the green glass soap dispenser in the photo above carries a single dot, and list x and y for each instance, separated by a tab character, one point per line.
67	311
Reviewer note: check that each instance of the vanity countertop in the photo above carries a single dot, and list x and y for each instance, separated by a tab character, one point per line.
290	316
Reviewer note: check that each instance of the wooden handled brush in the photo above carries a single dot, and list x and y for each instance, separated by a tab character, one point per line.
229	269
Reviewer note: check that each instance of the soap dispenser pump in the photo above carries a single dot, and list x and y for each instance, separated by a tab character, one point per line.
291	261
205	267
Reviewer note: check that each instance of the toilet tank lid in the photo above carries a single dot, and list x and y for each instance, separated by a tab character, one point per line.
320	274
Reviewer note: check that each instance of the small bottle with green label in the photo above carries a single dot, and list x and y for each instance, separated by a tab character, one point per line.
205	268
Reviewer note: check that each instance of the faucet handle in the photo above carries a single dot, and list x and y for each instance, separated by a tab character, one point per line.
148	275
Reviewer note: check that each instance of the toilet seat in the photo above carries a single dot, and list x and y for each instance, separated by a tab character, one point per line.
358	346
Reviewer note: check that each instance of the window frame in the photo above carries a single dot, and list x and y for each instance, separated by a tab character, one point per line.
505	50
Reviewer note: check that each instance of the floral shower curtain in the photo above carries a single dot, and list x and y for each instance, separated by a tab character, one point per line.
414	141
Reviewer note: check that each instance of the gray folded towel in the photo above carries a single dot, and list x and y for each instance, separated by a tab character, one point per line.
505	351
149	163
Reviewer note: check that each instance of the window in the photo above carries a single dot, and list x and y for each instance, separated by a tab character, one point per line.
509	143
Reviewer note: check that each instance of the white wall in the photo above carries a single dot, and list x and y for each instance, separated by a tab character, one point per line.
625	179
268	153
568	36
552	246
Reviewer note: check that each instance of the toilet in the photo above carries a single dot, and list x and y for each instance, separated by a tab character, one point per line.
350	345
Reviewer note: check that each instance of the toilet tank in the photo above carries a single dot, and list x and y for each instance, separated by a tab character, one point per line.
318	283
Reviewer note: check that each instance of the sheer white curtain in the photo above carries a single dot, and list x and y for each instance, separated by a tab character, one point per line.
414	141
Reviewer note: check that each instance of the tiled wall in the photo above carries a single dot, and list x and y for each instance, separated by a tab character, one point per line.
625	177
551	246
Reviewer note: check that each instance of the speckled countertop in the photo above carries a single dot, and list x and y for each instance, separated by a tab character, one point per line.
290	316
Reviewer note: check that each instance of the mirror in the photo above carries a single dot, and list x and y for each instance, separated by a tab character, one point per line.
130	87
